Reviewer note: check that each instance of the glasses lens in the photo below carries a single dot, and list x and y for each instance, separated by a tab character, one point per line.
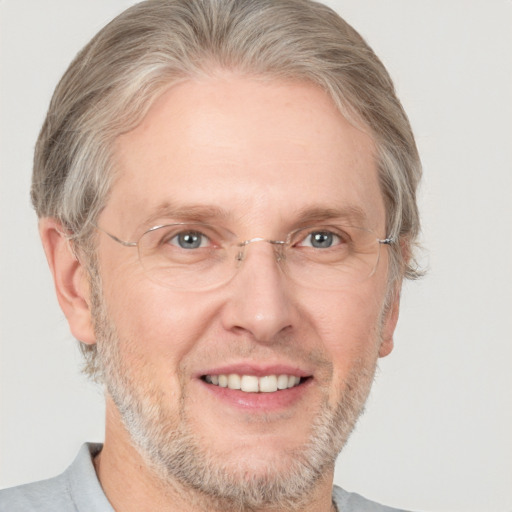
332	257
200	256
186	256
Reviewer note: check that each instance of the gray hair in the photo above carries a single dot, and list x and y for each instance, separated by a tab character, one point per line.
113	81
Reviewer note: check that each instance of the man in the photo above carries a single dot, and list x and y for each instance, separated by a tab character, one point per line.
226	195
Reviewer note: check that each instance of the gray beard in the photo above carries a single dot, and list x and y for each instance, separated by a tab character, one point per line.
183	464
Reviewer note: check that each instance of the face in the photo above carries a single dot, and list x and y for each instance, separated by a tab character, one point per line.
261	159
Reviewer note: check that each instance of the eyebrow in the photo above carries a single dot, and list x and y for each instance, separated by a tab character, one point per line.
189	213
349	213
213	213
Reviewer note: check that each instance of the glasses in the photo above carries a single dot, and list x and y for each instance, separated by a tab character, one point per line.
195	256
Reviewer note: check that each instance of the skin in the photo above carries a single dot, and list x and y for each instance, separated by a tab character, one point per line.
263	152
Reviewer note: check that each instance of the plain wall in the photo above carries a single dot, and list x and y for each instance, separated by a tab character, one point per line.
437	432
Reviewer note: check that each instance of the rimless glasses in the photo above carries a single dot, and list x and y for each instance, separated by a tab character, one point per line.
196	256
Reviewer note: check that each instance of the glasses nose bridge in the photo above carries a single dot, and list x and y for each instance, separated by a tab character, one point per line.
277	245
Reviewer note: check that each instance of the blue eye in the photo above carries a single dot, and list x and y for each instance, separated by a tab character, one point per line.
320	240
190	240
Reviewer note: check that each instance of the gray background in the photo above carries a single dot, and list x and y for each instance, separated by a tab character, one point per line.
437	432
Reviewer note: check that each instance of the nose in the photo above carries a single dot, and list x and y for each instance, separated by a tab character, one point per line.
260	301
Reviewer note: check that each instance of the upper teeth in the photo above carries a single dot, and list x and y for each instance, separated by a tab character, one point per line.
253	384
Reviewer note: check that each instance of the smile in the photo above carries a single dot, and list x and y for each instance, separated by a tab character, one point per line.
253	384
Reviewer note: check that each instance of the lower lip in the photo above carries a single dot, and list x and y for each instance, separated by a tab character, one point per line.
264	402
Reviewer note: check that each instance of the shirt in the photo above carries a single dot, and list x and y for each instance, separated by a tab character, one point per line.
79	490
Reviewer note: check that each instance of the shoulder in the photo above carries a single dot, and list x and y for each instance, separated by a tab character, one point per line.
76	488
46	495
352	502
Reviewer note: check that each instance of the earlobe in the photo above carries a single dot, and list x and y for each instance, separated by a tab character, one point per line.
70	279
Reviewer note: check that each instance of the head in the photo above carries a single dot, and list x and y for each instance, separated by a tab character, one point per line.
199	55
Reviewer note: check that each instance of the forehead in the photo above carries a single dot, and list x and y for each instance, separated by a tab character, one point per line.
250	148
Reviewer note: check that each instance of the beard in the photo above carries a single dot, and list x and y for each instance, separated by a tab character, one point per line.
182	462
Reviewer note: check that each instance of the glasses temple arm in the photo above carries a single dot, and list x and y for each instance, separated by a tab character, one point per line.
388	240
118	240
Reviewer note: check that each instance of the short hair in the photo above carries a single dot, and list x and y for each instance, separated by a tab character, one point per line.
112	82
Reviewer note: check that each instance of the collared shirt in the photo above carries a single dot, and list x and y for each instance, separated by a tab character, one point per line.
78	490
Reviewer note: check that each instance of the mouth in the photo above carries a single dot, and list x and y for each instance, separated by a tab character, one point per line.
272	383
257	388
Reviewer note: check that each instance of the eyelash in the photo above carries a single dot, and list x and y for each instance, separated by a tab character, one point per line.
206	240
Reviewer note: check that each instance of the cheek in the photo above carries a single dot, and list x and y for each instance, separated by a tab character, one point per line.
155	325
348	324
150	319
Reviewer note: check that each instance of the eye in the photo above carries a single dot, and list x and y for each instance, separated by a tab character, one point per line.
321	239
189	240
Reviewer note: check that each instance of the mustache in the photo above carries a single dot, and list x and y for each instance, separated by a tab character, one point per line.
312	360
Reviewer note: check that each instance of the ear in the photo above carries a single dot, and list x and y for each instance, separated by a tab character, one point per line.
389	322
70	279
393	309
